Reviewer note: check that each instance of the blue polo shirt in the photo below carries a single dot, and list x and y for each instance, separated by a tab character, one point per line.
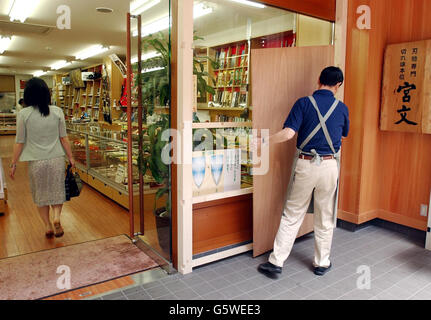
303	119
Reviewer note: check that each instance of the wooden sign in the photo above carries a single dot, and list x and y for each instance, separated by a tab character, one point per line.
406	95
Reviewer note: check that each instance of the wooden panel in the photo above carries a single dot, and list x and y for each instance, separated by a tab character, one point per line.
313	32
7	83
426	102
274	91
386	171
316	8
220	223
356	74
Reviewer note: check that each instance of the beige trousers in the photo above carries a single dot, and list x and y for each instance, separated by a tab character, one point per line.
308	177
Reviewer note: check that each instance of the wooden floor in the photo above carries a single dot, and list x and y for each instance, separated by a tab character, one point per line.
91	216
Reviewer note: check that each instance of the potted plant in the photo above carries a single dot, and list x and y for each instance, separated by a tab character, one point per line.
156	90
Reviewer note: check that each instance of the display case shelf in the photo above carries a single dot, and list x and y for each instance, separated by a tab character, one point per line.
223	195
7	123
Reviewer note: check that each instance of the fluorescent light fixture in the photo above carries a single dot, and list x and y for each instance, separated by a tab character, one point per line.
152	69
59	65
250	3
39	73
199	10
4	43
139	6
91	51
147	56
22	9
153	27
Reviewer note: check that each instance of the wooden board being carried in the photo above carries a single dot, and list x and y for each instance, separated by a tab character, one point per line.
279	78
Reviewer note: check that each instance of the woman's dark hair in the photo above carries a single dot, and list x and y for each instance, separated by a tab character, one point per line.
37	95
331	76
21	101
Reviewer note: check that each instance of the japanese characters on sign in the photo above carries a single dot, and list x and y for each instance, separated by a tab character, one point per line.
411	67
406	92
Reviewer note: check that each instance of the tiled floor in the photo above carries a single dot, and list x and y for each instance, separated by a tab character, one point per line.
400	268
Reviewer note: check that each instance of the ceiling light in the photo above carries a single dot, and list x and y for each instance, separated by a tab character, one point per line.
154	27
104	10
199	10
250	3
39	73
59	65
90	52
4	43
139	6
147	56
22	9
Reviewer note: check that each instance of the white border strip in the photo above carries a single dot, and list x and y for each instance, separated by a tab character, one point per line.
222	195
222	255
216	125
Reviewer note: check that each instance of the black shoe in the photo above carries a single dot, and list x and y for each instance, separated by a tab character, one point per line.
269	269
320	271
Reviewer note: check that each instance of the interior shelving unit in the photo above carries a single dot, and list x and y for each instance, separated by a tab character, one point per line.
7	123
230	81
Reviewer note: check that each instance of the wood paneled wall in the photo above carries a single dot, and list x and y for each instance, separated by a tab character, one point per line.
315	8
384	174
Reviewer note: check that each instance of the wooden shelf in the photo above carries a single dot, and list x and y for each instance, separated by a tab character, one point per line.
221	109
226	69
219	125
222	195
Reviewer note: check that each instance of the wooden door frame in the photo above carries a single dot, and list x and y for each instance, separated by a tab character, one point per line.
325	10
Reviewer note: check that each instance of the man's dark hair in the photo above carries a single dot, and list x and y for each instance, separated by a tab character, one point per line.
331	76
21	101
37	95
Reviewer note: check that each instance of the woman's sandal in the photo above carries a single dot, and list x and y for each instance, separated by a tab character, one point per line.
59	232
49	234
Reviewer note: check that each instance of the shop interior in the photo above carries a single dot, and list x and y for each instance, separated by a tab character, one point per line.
81	53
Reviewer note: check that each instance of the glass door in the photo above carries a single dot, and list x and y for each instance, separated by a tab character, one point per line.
150	54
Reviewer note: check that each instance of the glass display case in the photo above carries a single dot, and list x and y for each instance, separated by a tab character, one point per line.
7	123
101	156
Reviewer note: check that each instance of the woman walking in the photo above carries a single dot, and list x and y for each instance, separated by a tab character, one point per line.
41	140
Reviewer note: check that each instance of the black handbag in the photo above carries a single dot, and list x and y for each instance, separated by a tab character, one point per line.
73	184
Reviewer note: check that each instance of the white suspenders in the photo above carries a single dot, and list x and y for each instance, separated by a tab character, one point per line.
321	125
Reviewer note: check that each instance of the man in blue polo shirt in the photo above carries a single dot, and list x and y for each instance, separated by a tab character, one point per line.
320	121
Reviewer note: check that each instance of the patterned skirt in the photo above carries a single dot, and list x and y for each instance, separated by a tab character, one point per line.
47	181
